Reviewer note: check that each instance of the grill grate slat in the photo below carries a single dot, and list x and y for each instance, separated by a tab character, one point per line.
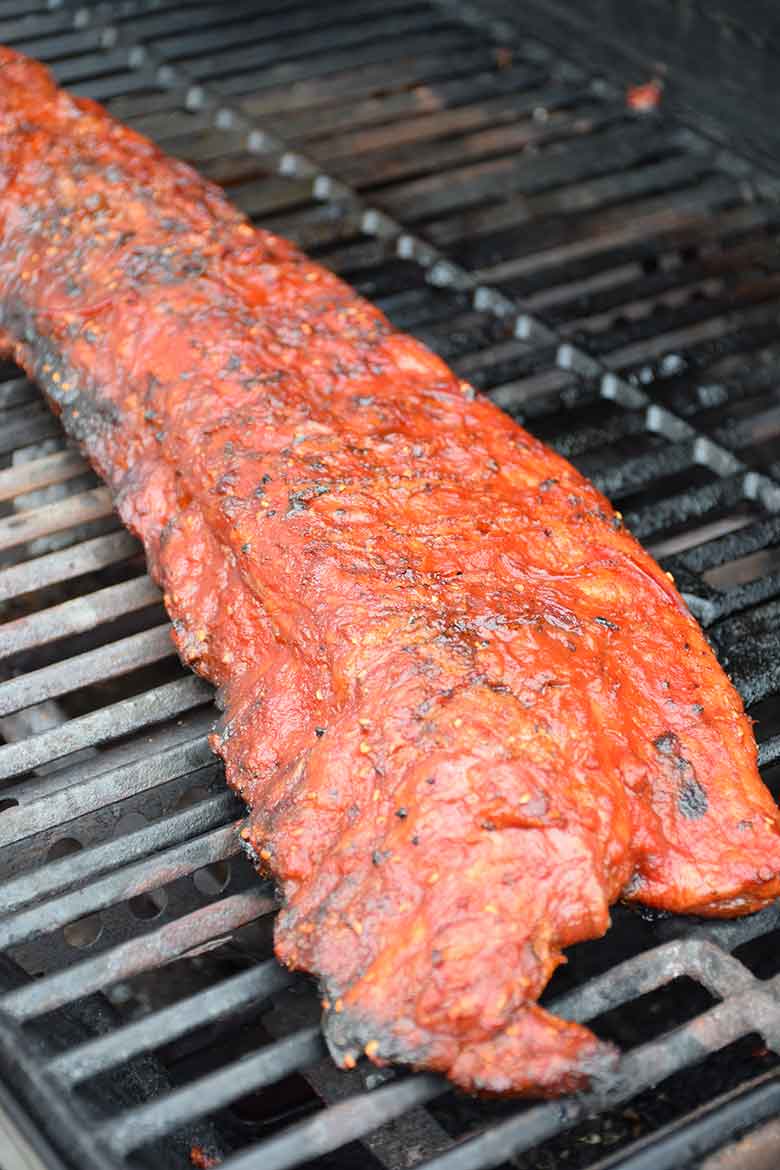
342	1122
54	568
142	954
70	513
124	884
453	45
51	469
106	723
262	1068
46	807
234	995
94	666
58	875
76	616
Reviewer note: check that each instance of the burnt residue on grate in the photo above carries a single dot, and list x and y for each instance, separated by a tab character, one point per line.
611	281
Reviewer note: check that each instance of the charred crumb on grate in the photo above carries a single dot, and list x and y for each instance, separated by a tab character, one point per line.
250	851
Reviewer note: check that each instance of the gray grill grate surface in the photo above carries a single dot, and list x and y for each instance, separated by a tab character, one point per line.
609	279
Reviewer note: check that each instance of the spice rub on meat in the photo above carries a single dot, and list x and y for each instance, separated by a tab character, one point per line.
466	709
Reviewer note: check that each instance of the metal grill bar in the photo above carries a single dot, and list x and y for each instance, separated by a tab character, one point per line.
361	169
633	474
511	396
94	65
725	548
689	505
341	1123
76	616
769	751
111	722
228	998
58	875
39	473
82	509
46	808
348	84
42	22
372	57
616	147
342	36
174	34
22	428
699	959
710	1128
138	1126
64	45
715	329
141	954
72	674
654	226
127	882
461	104
730	933
642	188
16	391
56	567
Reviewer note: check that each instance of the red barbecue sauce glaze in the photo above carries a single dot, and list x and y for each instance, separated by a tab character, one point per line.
466	709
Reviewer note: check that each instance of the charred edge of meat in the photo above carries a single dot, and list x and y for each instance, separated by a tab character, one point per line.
350	1035
84	413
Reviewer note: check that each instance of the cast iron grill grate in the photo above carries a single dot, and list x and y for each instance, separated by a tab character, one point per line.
609	280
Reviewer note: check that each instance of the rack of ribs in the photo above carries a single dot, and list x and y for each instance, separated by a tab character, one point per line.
466	710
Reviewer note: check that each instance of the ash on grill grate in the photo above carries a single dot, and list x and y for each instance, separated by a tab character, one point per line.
605	279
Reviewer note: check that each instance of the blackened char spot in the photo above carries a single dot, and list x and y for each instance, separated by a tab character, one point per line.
667	744
692	799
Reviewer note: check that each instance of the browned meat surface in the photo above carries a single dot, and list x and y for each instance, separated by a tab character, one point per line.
467	711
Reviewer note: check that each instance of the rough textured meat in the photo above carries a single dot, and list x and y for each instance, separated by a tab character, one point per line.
466	709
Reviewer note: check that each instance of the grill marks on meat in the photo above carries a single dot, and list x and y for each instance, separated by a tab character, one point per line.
465	708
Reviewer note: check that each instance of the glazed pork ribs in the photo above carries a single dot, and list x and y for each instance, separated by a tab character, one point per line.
466	710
